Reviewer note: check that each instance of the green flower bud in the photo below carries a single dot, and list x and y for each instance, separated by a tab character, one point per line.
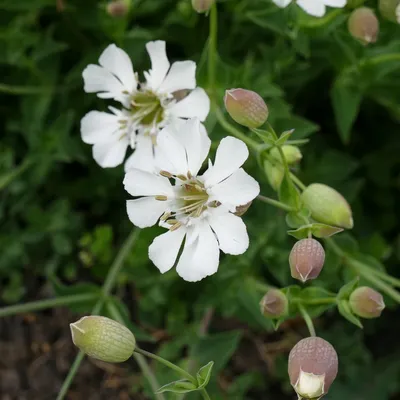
246	107
274	174
306	259
327	206
292	154
118	8
390	9
202	6
274	304
366	302
364	25
313	366
103	339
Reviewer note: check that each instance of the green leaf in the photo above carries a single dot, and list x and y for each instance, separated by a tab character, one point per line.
297	219
324	231
204	374
219	347
300	233
346	104
348	289
284	137
182	386
345	311
315	293
288	193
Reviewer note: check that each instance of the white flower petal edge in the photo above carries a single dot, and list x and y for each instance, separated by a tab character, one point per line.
316	8
282	3
197	209
168	95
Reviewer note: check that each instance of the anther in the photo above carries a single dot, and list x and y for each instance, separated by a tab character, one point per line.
166	174
175	227
161	198
182	177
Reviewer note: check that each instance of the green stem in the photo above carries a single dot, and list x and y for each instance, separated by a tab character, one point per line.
275	203
261	286
205	394
307	320
236	132
48	303
212	52
322	300
144	366
384	276
297	181
17	90
168	364
8	178
107	287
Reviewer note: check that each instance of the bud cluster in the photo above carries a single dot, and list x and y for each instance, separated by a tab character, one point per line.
364	25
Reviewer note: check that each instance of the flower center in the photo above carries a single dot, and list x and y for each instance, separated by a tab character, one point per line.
147	110
190	202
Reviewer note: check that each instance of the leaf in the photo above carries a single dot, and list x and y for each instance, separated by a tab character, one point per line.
204	374
346	104
315	293
297	219
182	386
284	137
300	233
219	347
324	231
345	311
348	289
288	193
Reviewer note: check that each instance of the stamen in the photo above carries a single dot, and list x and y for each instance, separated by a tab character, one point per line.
175	227
182	177
165	216
166	174
161	198
172	221
189	175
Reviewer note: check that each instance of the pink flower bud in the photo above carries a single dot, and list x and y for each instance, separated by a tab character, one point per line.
274	304
246	107
364	25
202	6
118	8
327	206
366	302
313	366
306	259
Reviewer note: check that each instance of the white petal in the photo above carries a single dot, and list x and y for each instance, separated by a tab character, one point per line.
231	154
195	104
118	63
315	8
146	211
201	257
143	183
110	154
143	156
335	3
239	189
164	249
103	82
282	3
182	75
159	63
231	233
170	153
193	136
97	127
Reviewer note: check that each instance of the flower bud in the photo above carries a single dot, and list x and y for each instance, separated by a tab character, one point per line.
241	210
103	338
366	302
274	174
313	366
364	25
202	6
274	304
118	8
246	107
291	153
306	259
390	9
327	206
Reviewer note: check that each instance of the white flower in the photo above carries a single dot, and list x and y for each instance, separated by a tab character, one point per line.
198	207
317	8
167	94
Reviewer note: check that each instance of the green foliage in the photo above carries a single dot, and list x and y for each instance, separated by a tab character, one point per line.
63	217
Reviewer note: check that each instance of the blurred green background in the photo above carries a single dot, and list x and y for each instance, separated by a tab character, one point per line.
63	218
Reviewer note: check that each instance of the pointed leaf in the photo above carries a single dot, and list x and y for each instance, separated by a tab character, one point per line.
204	374
182	386
348	289
324	231
345	311
284	137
